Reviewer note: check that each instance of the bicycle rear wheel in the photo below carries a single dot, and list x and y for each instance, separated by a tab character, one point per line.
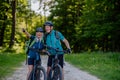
55	73
40	73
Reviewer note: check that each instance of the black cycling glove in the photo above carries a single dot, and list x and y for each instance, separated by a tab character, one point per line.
69	51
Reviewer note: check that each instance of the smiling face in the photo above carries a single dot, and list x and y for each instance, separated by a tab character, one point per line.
48	28
39	34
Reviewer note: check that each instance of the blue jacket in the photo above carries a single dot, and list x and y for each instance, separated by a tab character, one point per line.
37	45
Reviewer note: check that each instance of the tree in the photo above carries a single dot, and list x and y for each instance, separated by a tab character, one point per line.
13	23
4	19
100	25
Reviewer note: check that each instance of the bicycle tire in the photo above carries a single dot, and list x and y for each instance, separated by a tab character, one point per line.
41	72
34	76
31	75
55	73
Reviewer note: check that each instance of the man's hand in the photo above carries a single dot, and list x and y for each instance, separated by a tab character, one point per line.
69	51
26	33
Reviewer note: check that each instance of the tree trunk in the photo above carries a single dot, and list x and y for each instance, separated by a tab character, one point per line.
2	33
3	27
13	23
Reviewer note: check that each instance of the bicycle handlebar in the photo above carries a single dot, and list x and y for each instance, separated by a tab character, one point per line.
57	50
46	52
37	50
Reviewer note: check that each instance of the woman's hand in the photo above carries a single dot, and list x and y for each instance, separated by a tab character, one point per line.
26	33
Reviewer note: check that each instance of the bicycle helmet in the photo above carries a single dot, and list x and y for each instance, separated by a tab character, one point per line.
39	29
48	23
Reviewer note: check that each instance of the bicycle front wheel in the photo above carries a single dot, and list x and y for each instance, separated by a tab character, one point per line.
40	73
55	73
31	76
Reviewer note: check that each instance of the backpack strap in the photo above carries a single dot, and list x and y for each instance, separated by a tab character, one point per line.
29	43
32	42
57	35
42	40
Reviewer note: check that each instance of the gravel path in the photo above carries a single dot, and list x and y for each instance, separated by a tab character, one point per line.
71	73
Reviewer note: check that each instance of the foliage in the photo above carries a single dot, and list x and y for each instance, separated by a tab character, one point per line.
89	25
99	28
25	18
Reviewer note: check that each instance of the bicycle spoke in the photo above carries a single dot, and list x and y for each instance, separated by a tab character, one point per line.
40	74
56	75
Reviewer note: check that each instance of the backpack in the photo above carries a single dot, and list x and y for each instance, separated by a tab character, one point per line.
56	35
29	44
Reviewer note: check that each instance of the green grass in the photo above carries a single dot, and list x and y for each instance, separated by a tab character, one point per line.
105	66
9	62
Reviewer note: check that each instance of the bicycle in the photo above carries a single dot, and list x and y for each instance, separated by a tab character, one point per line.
38	72
56	70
